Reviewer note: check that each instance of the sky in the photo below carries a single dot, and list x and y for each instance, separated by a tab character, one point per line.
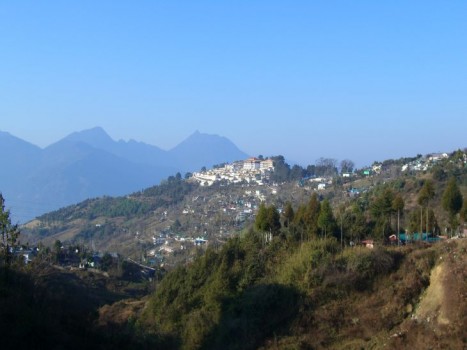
359	80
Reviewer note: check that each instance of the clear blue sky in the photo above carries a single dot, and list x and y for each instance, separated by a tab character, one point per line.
365	80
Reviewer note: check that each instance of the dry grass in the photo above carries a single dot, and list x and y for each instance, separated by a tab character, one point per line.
422	304
121	312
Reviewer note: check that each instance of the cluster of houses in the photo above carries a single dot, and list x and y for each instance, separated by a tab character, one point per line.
25	253
166	244
424	163
212	219
258	171
421	163
68	256
320	183
252	170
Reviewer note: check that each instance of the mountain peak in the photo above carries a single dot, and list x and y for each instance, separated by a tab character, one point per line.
9	141
201	136
201	149
90	136
95	137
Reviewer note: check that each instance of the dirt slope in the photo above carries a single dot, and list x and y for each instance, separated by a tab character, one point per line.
440	319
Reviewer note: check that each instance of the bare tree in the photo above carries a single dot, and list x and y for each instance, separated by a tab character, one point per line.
347	166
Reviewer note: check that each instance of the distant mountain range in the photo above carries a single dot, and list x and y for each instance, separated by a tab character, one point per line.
90	163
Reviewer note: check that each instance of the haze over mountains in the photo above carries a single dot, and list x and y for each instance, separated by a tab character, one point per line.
90	164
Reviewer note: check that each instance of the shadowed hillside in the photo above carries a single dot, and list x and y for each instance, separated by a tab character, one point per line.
314	297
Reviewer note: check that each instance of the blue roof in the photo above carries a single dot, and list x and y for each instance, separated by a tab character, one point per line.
427	237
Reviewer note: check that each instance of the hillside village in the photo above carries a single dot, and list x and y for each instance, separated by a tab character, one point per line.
259	170
249	171
224	204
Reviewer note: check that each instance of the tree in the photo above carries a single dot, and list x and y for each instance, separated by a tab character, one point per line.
382	209
311	214
432	222
326	221
288	214
452	201
310	170
413	221
342	217
261	217
439	174
463	212
347	166
268	219
107	262
398	206
281	169
57	250
176	226
425	195
9	234
326	167
274	220
297	172
359	226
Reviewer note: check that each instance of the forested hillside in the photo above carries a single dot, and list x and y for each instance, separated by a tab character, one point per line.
313	295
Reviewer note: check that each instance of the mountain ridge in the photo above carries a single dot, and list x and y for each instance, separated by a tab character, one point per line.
89	163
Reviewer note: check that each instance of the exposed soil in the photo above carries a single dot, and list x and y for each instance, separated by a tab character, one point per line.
440	319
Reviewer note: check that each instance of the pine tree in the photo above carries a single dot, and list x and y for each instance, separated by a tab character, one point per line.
398	206
311	215
288	214
326	221
425	195
463	212
268	219
452	202
9	234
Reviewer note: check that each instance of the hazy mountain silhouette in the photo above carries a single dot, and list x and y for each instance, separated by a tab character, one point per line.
90	164
18	158
200	150
134	151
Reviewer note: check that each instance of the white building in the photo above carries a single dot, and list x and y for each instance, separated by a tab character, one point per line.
267	164
252	164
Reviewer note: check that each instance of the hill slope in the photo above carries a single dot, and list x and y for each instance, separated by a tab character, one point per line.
315	296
